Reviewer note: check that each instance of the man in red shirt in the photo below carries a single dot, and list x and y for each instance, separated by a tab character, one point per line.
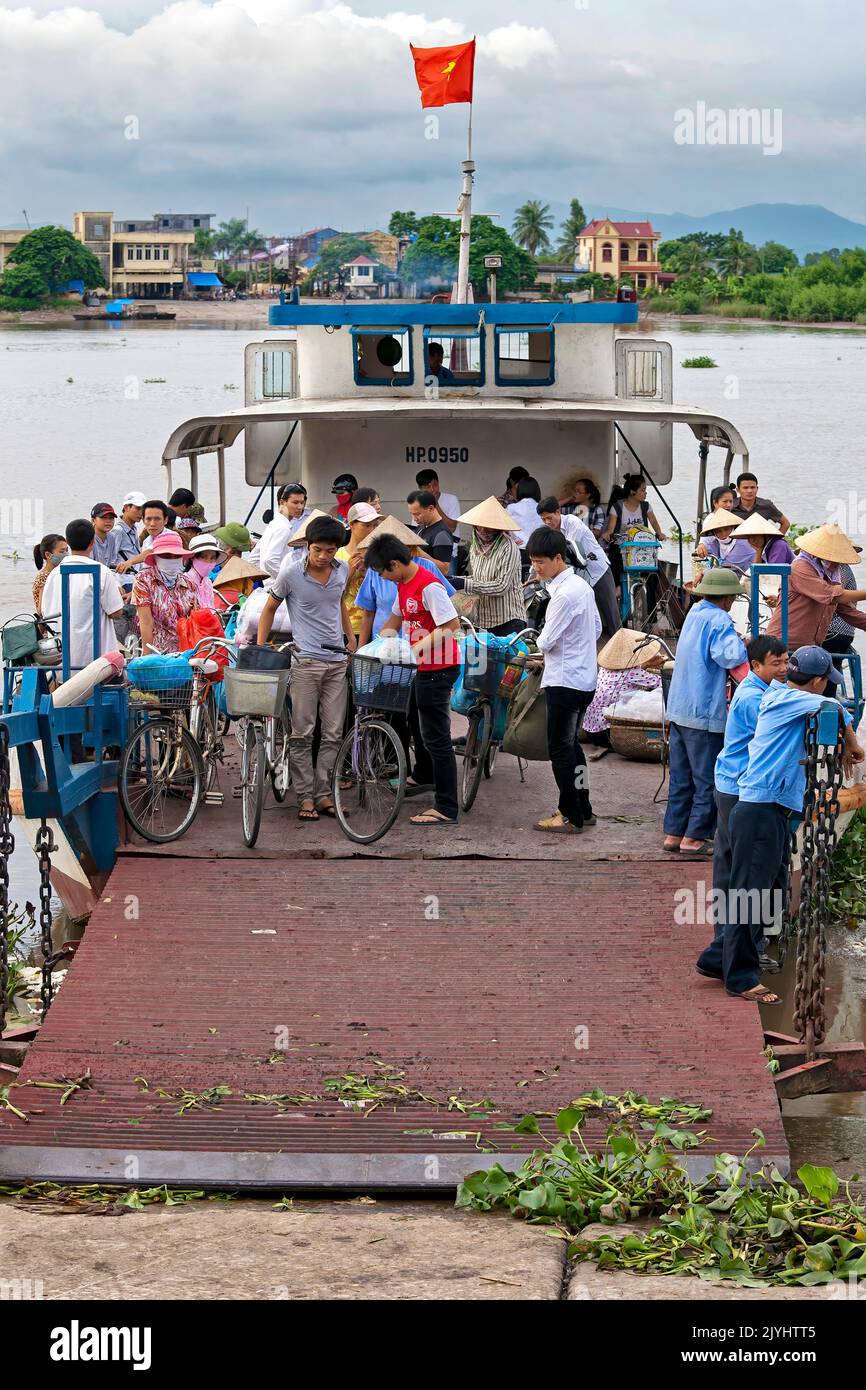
430	619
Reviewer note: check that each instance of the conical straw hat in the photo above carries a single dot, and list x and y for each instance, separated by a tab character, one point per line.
390	526
300	535
619	653
829	543
757	525
236	569
717	521
491	514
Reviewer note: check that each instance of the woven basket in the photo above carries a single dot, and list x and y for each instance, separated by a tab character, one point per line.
641	741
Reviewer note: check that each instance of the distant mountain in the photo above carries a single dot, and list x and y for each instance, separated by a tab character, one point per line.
802	226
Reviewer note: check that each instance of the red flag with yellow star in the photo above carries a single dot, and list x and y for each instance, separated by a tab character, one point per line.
444	75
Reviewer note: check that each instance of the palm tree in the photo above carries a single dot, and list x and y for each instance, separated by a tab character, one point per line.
692	258
569	232
737	256
249	245
229	239
532	222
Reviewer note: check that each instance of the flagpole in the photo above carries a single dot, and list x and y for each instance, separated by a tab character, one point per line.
465	207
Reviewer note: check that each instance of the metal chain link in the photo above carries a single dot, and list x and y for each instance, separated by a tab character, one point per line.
45	846
789	918
7	845
824	771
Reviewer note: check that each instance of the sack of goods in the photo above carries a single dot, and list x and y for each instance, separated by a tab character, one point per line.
526	729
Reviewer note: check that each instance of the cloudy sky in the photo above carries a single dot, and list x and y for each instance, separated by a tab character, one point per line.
306	112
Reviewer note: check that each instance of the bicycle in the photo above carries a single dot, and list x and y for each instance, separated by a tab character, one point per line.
370	774
259	700
482	679
168	765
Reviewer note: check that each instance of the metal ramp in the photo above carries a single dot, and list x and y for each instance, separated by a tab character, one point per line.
519	983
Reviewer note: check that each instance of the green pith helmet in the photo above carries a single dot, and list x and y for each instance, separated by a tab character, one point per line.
717	582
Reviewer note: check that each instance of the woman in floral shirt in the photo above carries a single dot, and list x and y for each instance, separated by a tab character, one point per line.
162	593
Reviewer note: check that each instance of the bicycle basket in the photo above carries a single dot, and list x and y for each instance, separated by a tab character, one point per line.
163	680
20	640
255	692
485	658
382	685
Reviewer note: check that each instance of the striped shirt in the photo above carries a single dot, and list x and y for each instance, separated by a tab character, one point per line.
494	579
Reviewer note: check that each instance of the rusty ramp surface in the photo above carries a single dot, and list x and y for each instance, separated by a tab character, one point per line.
212	1010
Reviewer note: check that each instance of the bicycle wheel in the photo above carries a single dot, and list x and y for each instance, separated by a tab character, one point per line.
253	769
278	754
639	615
475	753
490	760
161	780
367	793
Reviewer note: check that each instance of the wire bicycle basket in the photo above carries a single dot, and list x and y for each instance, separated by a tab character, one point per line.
160	682
382	685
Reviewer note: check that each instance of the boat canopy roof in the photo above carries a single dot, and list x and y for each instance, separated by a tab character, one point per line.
371	313
207	433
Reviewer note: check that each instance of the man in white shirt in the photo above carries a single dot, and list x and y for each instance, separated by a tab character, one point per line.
568	643
273	545
80	537
598	573
449	506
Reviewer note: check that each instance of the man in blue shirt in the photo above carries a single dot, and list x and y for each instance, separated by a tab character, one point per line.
771	792
768	662
709	647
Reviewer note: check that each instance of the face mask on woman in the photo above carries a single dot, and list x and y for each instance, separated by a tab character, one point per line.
203	567
170	569
55	557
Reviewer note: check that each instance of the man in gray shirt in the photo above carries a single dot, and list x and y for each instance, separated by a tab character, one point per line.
313	593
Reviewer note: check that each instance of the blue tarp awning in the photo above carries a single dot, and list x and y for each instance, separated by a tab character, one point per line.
203	279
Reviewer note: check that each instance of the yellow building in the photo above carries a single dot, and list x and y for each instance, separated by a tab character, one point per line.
9	239
142	259
615	249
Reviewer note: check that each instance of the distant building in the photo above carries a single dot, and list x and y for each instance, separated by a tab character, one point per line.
614	249
360	276
310	243
142	258
383	245
9	239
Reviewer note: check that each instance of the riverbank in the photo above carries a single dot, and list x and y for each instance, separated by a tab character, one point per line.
241	313
721	321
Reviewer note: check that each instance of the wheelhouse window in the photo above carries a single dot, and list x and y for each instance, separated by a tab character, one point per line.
524	356
454	358
383	357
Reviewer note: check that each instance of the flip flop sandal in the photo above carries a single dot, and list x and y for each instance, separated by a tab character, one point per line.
671	849
327	811
705	853
758	995
709	974
307	814
433	823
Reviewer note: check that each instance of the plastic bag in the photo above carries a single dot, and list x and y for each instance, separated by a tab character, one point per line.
393	649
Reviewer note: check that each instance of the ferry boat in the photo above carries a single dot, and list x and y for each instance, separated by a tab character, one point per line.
557	387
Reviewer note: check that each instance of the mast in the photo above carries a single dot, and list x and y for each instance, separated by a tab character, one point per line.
464	207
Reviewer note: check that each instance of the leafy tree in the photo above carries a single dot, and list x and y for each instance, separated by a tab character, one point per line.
569	232
813	257
24	282
402	223
532	222
336	253
694	251
54	254
433	257
228	241
776	258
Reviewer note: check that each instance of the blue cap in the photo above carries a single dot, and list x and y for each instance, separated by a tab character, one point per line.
814	661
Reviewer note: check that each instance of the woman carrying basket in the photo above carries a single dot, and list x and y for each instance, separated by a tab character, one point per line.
162	593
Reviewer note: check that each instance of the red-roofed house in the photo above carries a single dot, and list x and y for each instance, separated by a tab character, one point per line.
614	249
360	275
